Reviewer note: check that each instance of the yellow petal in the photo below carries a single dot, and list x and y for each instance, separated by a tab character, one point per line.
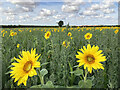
81	63
32	72
90	69
37	64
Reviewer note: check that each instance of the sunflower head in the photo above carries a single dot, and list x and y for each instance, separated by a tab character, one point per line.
116	31
88	36
25	66
47	34
11	33
69	34
18	45
66	44
15	33
91	57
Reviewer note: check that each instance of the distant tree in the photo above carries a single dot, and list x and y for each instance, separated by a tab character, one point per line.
60	23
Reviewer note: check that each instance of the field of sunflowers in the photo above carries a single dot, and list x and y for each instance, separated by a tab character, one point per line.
82	57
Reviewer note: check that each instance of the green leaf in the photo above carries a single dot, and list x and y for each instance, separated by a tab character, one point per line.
76	66
43	72
49	84
78	72
85	84
75	86
8	72
50	51
9	66
44	64
36	86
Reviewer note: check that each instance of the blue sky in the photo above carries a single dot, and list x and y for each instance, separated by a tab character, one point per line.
49	12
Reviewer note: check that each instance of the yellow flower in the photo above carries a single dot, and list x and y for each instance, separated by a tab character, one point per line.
62	30
3	34
11	33
116	31
91	57
2	31
24	66
47	34
69	34
66	44
30	31
71	38
18	45
15	33
88	36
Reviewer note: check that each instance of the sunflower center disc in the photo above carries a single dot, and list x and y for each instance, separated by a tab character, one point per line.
90	58
48	35
27	67
88	36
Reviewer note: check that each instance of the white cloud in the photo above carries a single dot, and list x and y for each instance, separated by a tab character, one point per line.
24	16
1	20
108	11
1	9
75	2
108	17
37	18
59	16
71	6
106	5
88	13
71	15
23	5
108	1
46	12
97	16
94	7
9	18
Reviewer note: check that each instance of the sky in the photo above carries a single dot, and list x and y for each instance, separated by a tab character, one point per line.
49	12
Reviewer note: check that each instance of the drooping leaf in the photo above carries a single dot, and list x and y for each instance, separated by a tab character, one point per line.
78	72
49	84
43	72
44	64
85	84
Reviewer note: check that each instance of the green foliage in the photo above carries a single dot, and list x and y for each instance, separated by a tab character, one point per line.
49	84
78	72
57	62
43	72
85	84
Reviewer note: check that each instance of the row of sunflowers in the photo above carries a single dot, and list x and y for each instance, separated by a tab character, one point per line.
59	57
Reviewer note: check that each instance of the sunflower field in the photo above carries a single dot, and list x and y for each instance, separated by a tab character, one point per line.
82	57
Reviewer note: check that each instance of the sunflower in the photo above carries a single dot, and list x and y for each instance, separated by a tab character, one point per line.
88	36
91	57
69	34
24	66
47	34
116	31
11	33
66	44
18	45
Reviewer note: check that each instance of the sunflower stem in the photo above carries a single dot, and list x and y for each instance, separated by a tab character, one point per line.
86	72
88	41
41	78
